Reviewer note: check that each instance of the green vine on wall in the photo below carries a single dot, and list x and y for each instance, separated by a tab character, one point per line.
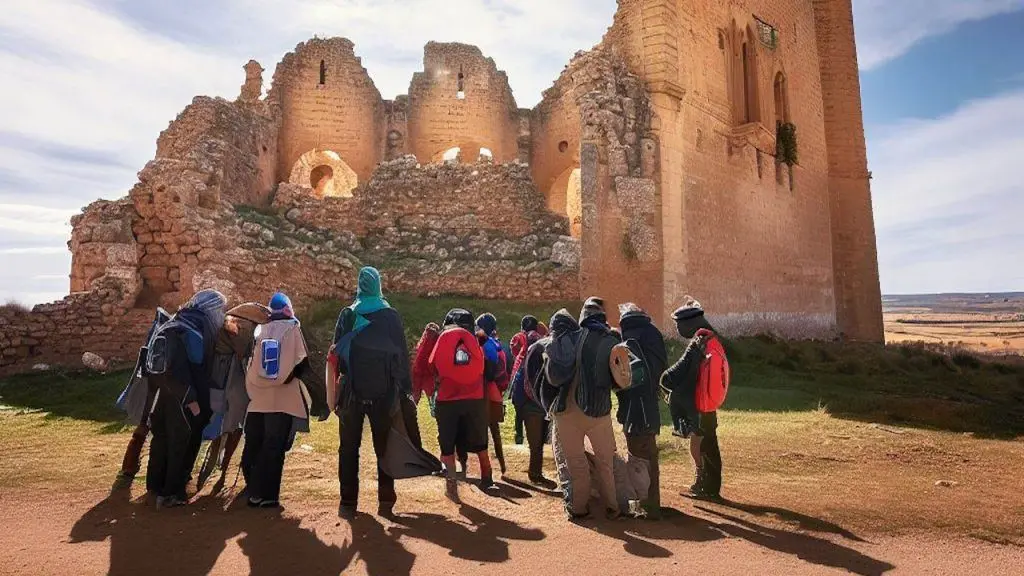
785	143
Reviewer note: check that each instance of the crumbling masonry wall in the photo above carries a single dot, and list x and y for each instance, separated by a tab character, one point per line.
483	114
343	114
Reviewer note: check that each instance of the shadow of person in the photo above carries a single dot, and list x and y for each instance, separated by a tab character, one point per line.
482	539
805	522
636	534
523	486
277	544
806	547
380	549
145	540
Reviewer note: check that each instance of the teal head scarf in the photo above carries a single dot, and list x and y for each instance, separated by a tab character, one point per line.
369	298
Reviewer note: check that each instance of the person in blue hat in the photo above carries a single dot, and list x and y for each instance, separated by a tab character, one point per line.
279	402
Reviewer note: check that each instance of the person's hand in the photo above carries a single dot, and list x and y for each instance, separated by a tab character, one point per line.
193	407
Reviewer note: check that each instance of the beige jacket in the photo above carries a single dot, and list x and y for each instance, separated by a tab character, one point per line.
275	395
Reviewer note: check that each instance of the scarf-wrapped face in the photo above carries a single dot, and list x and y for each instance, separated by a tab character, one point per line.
369	283
281	306
212	304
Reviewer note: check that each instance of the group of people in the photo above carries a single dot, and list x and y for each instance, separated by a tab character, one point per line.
209	372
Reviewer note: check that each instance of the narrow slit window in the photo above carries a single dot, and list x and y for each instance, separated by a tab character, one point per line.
323	72
461	89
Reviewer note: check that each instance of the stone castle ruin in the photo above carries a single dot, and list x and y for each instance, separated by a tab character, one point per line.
703	147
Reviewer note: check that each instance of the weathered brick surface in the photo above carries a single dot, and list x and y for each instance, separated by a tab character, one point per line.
345	114
485	117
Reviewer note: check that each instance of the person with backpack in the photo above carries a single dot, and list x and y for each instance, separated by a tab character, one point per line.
496	380
696	385
179	362
457	361
279	403
579	367
529	409
517	345
638	405
228	397
373	364
137	402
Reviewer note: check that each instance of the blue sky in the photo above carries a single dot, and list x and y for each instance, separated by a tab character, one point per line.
88	85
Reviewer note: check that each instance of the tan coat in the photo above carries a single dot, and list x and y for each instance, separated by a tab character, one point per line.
266	395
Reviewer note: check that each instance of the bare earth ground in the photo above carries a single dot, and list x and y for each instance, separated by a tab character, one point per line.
810	493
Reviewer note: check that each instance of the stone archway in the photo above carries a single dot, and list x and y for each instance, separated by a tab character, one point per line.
326	173
565	197
463	153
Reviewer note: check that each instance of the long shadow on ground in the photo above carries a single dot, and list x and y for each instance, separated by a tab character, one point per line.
806	547
482	537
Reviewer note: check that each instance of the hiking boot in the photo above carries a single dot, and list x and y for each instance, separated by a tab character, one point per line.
386	509
169	502
254	502
519	439
696	487
576	516
347	512
543	482
451	490
487	483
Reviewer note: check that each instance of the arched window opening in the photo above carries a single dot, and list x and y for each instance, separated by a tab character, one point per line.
749	82
323	72
781	100
486	153
452	154
565	197
319	177
461	89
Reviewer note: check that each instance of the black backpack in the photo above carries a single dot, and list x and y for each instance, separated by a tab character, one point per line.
372	370
562	357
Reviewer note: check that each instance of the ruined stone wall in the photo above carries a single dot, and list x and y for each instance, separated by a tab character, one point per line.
555	142
485	117
468	229
617	211
854	249
344	114
205	160
99	321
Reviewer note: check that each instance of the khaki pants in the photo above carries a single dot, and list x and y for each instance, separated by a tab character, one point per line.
571	428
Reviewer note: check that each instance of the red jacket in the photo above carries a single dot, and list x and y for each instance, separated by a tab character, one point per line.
422	374
456	382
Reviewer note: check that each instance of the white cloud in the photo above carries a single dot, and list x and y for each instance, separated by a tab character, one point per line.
886	29
949	200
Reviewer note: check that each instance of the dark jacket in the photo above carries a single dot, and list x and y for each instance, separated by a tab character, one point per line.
681	382
594	386
378	362
639	407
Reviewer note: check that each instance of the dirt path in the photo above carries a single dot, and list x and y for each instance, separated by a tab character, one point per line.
519	533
